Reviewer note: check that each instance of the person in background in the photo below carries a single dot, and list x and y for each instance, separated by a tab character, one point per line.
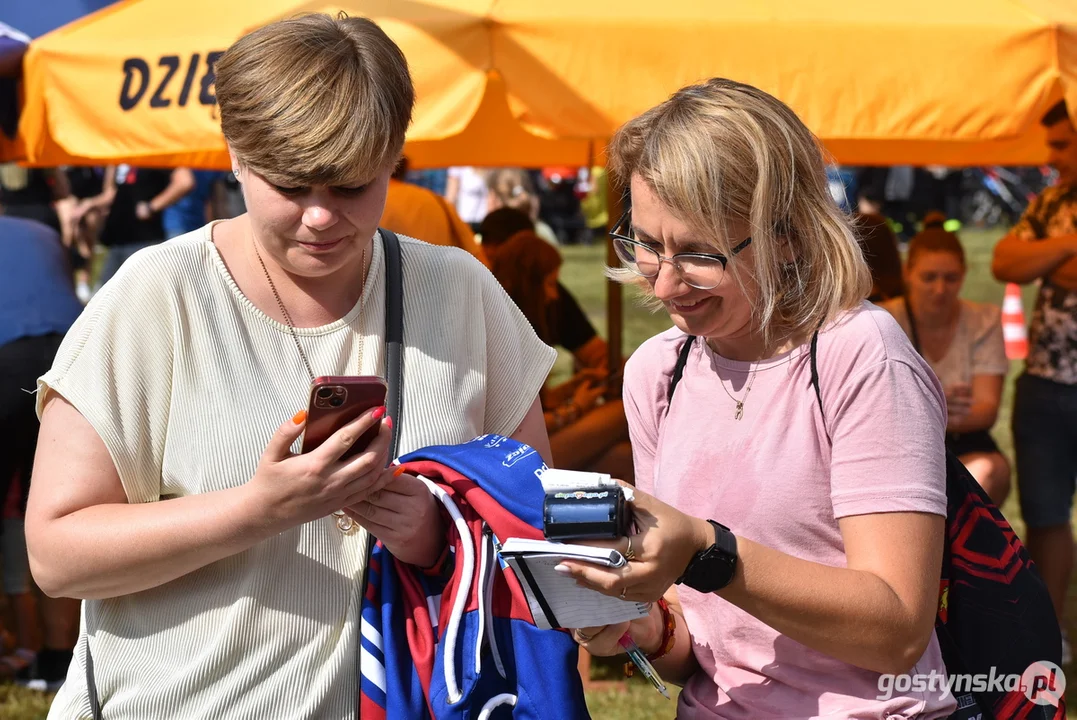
963	343
1042	247
191	210
86	183
513	188
133	199
879	244
41	194
466	190
18	660
424	215
37	306
595	202
560	205
571	328
226	199
790	543
434	179
584	417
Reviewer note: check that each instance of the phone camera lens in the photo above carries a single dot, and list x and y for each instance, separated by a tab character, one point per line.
337	401
325	393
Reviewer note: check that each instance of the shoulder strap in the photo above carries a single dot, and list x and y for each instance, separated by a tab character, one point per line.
678	369
815	370
815	380
394	370
394	332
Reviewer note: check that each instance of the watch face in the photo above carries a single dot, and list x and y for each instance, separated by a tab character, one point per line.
711	572
713	568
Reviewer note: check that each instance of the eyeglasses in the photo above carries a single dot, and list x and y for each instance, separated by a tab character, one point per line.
704	271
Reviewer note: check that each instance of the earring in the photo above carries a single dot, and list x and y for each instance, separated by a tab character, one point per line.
236	173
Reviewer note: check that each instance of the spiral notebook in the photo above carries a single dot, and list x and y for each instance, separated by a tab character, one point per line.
556	601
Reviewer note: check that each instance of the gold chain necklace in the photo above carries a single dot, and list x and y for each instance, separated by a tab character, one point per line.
740	403
344	523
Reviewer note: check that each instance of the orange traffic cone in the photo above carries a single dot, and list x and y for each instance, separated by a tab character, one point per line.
1013	324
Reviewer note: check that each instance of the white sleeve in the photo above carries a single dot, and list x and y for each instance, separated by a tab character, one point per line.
115	367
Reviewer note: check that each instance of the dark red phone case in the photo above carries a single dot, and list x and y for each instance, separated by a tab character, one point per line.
335	401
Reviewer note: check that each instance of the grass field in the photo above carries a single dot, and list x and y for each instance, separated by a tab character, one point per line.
582	274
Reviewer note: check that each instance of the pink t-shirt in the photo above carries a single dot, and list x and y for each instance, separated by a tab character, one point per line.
774	478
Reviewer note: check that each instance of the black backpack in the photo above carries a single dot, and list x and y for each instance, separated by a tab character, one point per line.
995	616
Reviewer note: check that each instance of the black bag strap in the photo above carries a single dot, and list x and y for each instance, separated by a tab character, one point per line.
394	403
394	333
678	369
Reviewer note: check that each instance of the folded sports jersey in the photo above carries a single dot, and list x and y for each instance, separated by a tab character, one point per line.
466	646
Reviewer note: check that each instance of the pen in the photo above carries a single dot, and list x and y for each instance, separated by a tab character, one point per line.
640	660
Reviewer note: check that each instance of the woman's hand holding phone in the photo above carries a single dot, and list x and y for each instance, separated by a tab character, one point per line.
290	489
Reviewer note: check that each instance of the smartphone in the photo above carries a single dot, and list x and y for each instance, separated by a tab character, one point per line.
335	401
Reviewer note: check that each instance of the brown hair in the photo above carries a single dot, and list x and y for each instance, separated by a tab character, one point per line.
521	265
934	238
880	246
721	152
315	100
501	224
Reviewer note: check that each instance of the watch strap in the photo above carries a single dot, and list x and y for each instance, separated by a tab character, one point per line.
724	542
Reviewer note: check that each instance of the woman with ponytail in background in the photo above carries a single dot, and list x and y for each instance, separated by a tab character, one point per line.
963	343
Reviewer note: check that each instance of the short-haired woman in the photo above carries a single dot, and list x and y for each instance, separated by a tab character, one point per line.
806	531
218	579
963	342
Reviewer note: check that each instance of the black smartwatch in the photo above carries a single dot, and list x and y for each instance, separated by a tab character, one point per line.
712	569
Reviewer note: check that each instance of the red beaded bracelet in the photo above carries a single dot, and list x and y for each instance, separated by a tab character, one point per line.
668	632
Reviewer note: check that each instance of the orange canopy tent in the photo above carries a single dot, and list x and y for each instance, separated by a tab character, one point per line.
518	82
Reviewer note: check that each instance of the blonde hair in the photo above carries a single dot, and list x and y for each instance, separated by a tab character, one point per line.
315	100
722	152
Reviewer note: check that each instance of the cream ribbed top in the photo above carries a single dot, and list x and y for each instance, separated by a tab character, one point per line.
185	380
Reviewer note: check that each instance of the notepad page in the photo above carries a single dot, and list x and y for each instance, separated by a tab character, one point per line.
572	606
604	556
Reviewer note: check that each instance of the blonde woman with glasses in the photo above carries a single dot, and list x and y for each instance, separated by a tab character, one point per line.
221	570
790	542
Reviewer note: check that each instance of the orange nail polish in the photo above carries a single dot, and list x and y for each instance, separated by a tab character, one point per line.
399	471
379	413
299	417
389	423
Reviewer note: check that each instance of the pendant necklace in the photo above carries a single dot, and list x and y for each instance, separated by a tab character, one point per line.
740	403
344	522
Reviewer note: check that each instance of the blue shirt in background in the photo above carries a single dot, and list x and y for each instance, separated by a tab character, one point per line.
37	296
189	212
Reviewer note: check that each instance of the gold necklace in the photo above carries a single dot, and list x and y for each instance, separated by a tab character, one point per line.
740	403
344	523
